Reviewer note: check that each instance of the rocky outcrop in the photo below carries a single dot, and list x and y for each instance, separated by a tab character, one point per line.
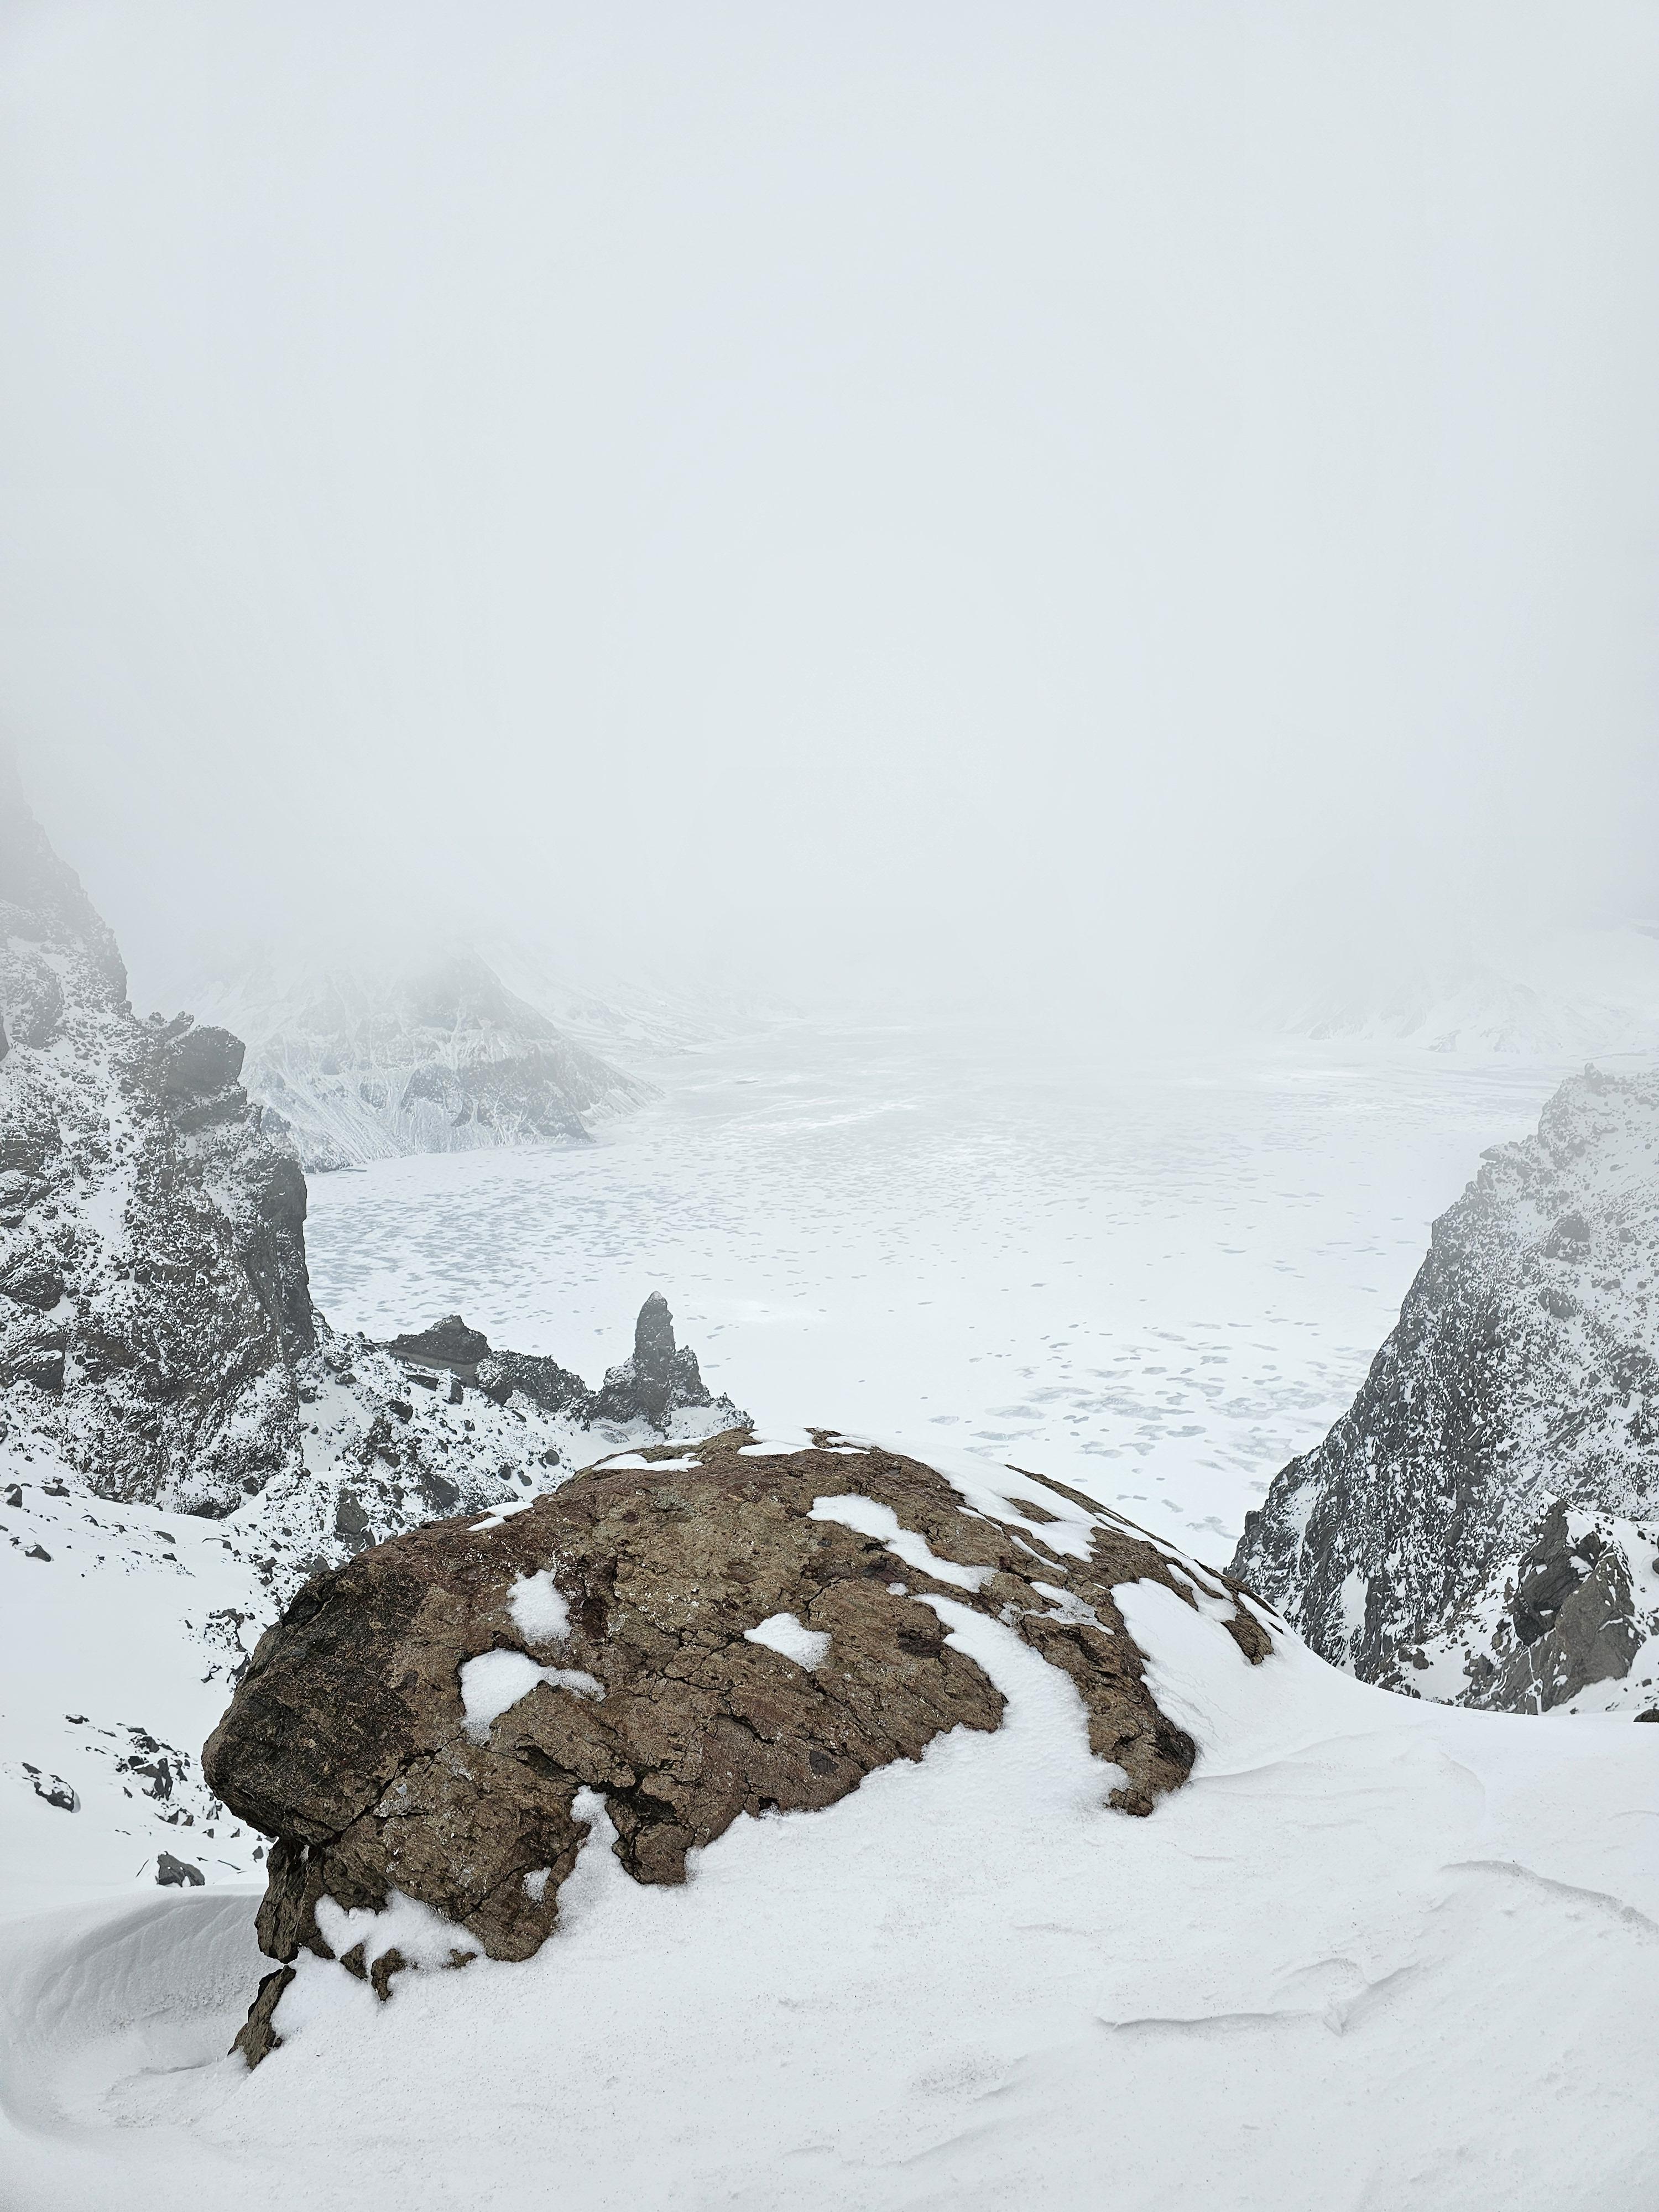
449	1343
154	1299
428	1053
157	1338
686	1638
658	1381
1481	1525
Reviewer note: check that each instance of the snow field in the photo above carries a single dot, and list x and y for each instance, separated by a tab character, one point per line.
1375	1952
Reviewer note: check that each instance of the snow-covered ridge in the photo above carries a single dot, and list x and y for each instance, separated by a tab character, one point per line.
429	1052
1482	1524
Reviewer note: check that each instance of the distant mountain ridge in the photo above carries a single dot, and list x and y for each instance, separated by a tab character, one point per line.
360	1061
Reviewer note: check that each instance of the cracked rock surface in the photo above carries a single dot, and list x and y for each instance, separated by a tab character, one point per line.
625	1601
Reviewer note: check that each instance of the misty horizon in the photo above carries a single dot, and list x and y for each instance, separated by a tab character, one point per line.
887	506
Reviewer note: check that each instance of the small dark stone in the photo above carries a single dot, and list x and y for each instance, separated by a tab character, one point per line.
177	1873
380	1974
439	1492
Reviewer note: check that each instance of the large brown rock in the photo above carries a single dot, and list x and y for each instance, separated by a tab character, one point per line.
350	1740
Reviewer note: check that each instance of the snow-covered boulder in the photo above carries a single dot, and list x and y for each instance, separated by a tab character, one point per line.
674	1638
1481	1525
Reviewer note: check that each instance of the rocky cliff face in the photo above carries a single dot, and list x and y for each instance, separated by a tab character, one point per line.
684	1637
154	1300
1481	1526
157	1339
184	1442
660	1381
431	1054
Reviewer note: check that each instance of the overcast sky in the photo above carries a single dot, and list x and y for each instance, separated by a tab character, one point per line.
834	490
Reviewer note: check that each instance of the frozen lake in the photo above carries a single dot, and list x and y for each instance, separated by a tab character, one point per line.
1157	1276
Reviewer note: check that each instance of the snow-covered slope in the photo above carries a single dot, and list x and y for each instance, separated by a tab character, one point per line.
366	1059
125	1622
1375	1952
1481	1525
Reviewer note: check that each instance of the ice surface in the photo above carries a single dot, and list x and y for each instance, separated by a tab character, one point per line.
1156	1278
782	1631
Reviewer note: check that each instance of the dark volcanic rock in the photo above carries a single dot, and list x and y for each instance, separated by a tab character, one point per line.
448	1343
659	1379
544	1381
424	1718
1574	1620
1477	1526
